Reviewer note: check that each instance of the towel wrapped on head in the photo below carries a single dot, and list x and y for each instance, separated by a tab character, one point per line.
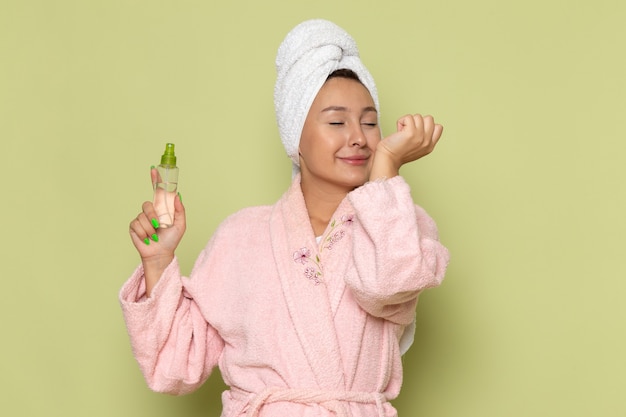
307	56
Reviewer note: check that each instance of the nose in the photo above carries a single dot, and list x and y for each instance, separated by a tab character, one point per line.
357	137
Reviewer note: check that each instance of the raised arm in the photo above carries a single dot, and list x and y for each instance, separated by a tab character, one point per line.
156	246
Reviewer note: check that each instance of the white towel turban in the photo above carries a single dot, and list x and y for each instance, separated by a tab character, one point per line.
305	59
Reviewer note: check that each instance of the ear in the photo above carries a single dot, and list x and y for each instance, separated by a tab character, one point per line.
301	162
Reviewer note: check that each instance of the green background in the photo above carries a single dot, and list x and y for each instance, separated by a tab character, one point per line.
527	186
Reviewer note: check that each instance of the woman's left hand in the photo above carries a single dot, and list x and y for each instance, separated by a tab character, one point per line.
416	137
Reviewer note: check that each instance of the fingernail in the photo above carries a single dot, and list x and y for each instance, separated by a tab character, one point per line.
152	167
155	223
180	197
146	241
155	237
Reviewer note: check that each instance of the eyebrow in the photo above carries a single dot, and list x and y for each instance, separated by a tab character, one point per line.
341	108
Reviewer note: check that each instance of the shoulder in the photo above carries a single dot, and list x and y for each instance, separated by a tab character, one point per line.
249	214
245	221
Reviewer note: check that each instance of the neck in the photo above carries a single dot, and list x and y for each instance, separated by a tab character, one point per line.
321	203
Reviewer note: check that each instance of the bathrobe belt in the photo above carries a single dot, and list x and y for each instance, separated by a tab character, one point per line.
333	401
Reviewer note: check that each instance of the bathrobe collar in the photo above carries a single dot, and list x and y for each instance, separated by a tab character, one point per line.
305	268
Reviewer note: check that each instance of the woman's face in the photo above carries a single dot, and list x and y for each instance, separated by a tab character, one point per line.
339	136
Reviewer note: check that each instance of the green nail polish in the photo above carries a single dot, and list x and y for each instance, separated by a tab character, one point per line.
155	223
155	237
152	167
146	241
180	197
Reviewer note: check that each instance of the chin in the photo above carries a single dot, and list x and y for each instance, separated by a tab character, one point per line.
356	182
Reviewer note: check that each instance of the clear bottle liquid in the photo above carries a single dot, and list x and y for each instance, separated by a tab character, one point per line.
166	187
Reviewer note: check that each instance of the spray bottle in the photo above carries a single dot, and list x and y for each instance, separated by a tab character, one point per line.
165	187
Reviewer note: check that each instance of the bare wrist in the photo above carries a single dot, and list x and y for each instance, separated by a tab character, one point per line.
153	268
384	166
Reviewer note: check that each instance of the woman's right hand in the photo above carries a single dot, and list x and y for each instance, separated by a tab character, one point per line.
156	245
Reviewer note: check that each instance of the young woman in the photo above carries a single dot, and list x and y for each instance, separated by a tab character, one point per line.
307	305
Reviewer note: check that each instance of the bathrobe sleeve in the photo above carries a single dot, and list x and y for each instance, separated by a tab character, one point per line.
396	250
174	345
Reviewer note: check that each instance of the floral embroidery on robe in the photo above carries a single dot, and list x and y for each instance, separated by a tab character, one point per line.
334	234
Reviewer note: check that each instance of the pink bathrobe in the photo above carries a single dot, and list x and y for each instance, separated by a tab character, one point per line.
297	327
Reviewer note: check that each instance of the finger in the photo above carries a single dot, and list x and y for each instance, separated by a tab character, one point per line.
154	176
150	213
405	122
429	127
438	131
418	119
141	230
418	122
137	240
180	218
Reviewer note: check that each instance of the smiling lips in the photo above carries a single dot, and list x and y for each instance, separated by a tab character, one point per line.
356	160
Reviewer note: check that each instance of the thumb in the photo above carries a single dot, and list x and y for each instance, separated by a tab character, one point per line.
179	212
405	122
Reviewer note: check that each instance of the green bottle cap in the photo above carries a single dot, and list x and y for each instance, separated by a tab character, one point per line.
169	158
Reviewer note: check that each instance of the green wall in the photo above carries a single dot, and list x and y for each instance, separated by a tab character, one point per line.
527	186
